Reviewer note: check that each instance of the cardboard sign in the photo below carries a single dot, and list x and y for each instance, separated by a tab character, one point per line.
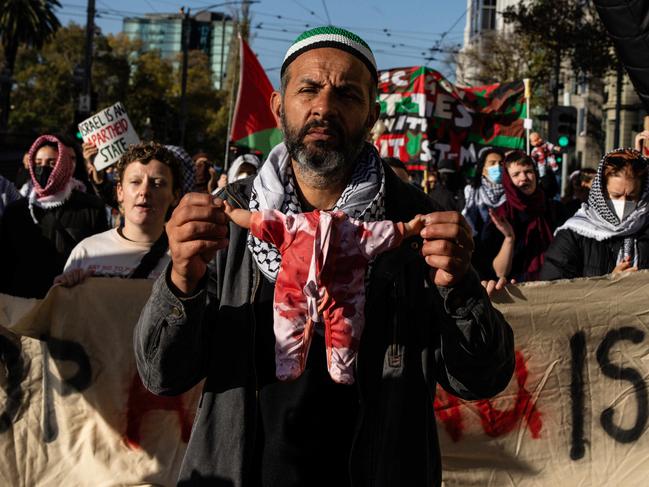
111	131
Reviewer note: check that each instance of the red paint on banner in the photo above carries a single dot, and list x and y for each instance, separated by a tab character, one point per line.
495	422
141	401
447	410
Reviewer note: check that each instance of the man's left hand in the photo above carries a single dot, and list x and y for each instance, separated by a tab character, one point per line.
448	246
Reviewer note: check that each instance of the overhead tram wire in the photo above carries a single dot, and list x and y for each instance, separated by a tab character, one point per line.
399	49
311	12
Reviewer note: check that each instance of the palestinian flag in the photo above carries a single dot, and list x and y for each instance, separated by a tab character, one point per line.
425	118
253	124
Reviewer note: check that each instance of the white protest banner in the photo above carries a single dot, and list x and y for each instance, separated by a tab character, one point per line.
111	131
576	411
73	410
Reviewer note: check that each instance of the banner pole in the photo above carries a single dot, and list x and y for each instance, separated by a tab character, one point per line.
226	162
528	121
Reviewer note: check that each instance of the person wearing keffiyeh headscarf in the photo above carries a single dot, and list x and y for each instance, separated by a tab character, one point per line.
485	191
211	315
39	232
522	227
610	232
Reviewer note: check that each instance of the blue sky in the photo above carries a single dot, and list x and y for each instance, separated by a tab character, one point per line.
400	32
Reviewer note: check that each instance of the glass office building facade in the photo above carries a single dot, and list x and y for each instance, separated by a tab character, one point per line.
211	32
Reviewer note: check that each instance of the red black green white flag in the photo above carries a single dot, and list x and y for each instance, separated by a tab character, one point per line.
253	124
425	118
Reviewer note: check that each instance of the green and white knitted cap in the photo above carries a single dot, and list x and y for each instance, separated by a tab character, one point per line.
330	36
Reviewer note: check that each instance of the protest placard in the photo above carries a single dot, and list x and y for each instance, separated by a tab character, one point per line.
111	131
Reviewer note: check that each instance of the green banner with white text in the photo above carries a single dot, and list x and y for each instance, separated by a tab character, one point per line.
425	119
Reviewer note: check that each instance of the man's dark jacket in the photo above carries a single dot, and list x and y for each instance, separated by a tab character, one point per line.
416	336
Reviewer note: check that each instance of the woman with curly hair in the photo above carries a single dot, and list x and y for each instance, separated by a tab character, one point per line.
148	186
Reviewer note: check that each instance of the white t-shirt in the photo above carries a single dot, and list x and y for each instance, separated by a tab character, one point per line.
108	254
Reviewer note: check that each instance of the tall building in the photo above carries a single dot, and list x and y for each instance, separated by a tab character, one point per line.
484	17
595	99
210	32
632	113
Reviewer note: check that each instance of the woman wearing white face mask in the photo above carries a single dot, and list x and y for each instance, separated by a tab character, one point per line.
610	233
485	191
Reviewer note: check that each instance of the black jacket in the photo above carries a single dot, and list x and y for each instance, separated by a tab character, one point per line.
32	255
417	336
572	255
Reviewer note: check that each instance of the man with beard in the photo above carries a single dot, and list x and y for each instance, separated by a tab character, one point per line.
428	320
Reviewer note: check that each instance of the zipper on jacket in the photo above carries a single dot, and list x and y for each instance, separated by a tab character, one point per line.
394	356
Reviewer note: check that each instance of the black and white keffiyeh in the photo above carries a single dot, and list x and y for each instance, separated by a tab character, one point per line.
596	220
480	199
487	194
275	188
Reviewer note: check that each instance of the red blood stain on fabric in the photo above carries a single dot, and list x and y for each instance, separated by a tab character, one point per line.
495	422
141	401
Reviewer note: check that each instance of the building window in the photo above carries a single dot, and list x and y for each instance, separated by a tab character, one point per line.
488	15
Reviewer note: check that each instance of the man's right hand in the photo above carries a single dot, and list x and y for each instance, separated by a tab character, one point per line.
197	229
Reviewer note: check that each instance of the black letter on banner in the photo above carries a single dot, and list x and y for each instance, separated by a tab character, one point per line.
13	361
623	373
578	354
68	351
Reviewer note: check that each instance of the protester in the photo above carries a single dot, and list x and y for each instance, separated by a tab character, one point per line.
76	154
441	196
148	184
187	169
103	181
610	233
206	175
242	167
579	184
453	181
522	227
39	232
485	192
429	319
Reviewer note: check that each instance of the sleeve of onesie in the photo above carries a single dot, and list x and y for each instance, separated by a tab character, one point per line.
378	237
274	227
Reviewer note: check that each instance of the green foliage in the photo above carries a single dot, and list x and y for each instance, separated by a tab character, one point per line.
26	22
46	94
505	57
565	29
22	23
